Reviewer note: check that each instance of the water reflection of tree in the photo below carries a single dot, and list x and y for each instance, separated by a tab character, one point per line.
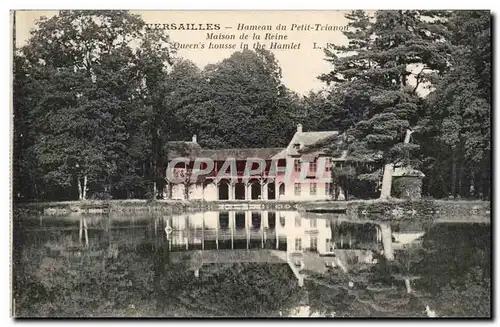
362	291
450	274
83	286
403	269
241	290
55	275
58	277
456	271
472	294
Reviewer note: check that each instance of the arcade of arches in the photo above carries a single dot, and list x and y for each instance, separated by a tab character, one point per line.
251	190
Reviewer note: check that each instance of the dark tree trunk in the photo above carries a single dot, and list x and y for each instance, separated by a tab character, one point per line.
429	185
160	259
472	184
453	174
460	178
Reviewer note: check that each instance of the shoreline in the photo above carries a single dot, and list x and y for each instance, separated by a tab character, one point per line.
392	209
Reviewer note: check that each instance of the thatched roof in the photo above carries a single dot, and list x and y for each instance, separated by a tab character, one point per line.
240	154
176	149
192	150
310	138
407	171
310	142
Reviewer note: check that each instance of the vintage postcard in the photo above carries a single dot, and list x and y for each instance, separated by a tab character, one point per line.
251	164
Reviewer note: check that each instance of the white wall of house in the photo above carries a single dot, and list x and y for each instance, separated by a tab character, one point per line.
306	193
178	192
196	192
211	193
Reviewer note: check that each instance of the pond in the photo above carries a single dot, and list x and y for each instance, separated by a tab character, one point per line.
248	264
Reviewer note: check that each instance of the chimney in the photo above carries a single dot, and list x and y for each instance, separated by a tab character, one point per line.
194	138
299	128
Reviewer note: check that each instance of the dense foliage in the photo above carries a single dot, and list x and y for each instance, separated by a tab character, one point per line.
458	124
57	277
97	96
423	71
450	273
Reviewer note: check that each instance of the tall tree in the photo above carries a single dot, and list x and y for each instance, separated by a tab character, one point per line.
187	92
371	76
321	111
153	59
243	95
86	72
459	111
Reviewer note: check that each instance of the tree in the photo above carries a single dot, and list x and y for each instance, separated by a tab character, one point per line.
153	59
371	78
185	96
24	163
242	95
459	111
86	70
321	112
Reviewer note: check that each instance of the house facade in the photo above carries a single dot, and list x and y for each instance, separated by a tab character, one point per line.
286	174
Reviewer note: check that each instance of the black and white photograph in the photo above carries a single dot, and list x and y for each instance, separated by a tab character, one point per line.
251	164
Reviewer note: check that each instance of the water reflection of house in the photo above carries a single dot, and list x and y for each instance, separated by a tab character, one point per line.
280	230
305	312
290	237
407	234
286	236
402	240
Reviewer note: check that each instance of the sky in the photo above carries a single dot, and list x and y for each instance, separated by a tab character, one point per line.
300	66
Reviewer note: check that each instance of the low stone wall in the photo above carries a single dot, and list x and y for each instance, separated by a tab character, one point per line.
359	209
104	207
